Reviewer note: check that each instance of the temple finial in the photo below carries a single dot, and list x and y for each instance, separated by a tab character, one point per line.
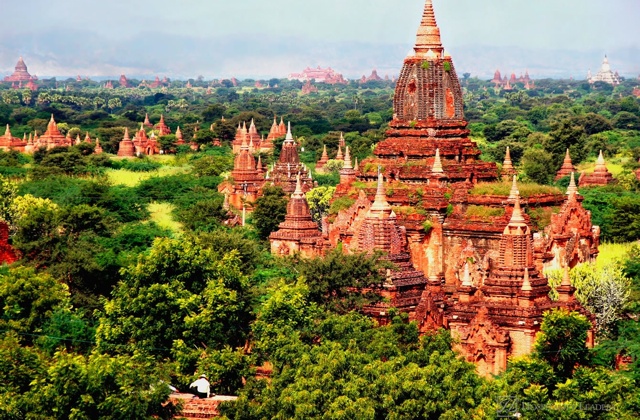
298	192
573	188
347	159
566	278
428	37
289	137
514	189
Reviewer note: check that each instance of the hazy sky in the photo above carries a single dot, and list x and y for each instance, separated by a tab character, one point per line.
576	25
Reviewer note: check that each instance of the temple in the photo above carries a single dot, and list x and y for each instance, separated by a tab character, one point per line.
567	167
126	147
298	233
600	175
8	142
256	142
283	173
247	179
467	260
52	137
21	74
319	75
498	317
605	74
513	82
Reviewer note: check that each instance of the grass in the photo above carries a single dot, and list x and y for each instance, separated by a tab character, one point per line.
615	168
504	188
161	214
131	179
612	252
483	212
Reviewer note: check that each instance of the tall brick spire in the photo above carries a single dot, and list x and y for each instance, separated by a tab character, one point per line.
428	38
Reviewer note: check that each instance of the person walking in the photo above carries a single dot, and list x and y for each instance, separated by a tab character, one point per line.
201	387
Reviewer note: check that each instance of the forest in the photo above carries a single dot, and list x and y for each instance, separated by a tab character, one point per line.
129	280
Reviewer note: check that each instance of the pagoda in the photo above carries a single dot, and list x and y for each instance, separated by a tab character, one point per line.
126	147
600	175
98	149
323	160
241	137
179	137
53	137
147	122
284	172
380	231
21	74
428	115
508	170
567	167
499	317
162	128
605	74
247	179
8	142
124	83
456	236
298	233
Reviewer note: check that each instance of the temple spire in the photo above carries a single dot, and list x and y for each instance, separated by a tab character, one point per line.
380	207
600	162
514	189
289	137
573	188
566	278
517	218
347	159
466	279
428	38
298	192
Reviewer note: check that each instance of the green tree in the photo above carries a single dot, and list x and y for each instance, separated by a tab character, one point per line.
538	166
270	210
562	341
319	202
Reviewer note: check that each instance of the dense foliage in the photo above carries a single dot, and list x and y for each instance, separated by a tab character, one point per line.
130	280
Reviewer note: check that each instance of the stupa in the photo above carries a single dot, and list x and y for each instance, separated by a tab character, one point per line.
323	160
247	180
126	147
380	231
600	175
298	233
162	128
567	167
605	74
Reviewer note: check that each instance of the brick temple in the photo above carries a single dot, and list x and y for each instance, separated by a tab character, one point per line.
465	260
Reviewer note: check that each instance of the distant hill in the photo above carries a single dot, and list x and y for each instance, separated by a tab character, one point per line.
69	53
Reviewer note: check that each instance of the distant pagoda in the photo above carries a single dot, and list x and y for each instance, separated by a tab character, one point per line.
21	74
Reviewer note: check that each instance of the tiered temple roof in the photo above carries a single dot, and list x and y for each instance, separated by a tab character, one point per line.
500	317
298	233
21	74
52	137
283	173
428	115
